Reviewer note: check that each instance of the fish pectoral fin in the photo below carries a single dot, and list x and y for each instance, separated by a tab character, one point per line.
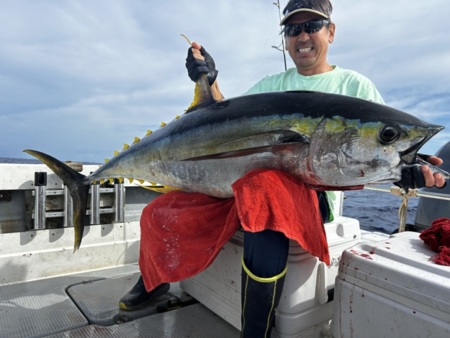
260	140
272	141
265	139
244	152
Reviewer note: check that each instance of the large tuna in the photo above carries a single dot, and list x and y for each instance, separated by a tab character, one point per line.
329	141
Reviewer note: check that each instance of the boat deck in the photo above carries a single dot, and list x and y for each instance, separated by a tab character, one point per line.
86	305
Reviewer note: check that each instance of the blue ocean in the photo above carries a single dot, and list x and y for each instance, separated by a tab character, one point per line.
376	211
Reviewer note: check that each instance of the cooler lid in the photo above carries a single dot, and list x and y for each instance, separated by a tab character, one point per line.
342	233
402	265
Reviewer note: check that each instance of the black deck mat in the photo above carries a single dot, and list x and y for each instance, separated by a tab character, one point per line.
194	321
86	305
99	300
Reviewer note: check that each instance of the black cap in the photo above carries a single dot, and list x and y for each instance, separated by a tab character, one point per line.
320	7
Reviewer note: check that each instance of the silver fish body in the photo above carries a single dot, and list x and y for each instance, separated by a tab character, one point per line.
328	141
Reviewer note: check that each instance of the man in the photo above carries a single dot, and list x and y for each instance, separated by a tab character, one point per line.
309	30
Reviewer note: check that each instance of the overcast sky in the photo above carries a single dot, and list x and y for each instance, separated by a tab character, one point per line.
80	78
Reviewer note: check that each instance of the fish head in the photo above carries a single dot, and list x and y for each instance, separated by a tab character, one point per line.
354	152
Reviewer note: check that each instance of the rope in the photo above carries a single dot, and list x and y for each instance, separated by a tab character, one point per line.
414	192
399	192
402	211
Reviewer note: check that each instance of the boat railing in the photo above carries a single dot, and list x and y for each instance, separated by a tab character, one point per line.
424	194
43	210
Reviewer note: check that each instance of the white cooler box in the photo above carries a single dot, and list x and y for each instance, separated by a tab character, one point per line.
305	308
392	289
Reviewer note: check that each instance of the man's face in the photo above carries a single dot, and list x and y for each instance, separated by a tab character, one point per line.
309	51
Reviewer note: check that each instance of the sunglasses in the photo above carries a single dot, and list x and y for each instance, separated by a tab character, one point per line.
309	27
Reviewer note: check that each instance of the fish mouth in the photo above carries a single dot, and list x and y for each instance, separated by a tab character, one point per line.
408	156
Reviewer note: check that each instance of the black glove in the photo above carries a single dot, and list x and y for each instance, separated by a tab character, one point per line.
198	67
412	177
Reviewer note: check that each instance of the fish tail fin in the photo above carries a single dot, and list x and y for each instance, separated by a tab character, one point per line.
77	186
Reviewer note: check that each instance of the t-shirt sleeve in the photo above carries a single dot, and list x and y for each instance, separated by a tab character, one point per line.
367	90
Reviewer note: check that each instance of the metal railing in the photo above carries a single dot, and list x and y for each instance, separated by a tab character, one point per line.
41	214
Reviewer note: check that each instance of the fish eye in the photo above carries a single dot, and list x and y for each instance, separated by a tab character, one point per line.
389	134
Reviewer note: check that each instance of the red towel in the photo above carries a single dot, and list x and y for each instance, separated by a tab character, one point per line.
182	233
438	238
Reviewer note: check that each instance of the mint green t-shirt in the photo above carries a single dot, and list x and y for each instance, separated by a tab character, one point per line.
338	81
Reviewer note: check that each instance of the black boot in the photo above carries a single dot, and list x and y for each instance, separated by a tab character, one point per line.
259	299
138	297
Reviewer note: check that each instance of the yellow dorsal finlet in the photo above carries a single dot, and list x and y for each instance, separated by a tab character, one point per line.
149	132
136	139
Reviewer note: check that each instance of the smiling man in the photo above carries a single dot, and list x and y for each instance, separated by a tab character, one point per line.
306	40
309	30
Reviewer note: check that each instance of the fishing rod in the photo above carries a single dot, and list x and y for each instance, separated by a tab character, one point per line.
281	47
